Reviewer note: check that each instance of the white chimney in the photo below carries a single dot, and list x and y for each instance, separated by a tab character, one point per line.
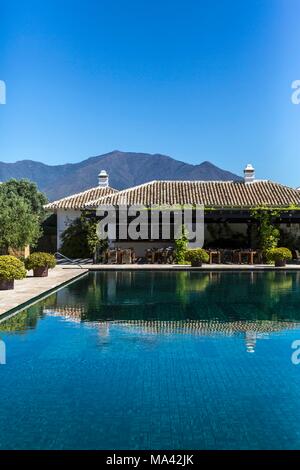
103	179
249	174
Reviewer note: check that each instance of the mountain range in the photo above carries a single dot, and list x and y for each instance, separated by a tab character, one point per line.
125	169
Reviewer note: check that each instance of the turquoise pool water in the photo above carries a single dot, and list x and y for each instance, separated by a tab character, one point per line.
150	360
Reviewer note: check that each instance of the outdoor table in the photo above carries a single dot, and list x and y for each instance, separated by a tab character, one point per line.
250	256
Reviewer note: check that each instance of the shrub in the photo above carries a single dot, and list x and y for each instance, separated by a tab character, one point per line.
197	254
279	254
11	268
267	231
40	260
181	244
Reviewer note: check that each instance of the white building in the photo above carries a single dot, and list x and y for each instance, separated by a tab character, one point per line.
227	208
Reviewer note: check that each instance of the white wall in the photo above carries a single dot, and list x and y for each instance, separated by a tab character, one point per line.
64	217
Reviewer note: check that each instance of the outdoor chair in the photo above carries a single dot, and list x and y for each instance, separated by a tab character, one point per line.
296	256
112	257
126	256
258	257
134	258
214	256
159	256
169	255
164	256
149	255
236	256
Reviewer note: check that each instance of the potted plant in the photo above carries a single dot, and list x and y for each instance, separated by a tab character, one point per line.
197	256
280	256
11	268
40	263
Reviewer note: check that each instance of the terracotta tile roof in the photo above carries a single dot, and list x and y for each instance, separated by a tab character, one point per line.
78	201
219	194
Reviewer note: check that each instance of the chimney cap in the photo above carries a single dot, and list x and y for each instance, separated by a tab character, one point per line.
103	179
249	174
249	167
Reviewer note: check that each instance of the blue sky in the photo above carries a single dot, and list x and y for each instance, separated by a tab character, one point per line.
196	80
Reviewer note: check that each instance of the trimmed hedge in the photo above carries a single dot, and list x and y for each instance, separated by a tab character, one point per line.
11	268
197	254
279	254
40	260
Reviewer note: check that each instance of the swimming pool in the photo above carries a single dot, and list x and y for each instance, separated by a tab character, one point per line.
155	360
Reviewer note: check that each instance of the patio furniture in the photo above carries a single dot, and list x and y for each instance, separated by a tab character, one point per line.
112	256
169	255
165	255
258	256
249	254
214	254
159	256
236	256
134	258
227	256
126	256
149	255
296	255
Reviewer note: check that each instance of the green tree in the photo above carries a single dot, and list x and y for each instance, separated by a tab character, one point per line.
29	192
19	226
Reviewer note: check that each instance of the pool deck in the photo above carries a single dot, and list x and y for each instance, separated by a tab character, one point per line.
32	288
176	267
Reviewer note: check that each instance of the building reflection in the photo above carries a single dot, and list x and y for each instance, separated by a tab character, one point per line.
250	330
250	341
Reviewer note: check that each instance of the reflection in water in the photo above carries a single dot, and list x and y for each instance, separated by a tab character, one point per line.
23	321
252	304
28	318
251	330
250	340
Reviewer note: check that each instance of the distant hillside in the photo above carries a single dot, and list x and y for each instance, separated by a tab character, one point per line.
125	169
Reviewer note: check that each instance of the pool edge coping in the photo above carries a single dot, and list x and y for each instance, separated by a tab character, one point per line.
172	268
37	298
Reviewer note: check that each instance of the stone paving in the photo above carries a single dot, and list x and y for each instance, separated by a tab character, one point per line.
33	287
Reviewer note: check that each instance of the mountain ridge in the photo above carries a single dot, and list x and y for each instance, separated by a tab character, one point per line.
125	169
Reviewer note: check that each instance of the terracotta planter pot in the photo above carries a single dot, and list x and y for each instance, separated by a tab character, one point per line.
280	263
40	272
196	264
6	285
